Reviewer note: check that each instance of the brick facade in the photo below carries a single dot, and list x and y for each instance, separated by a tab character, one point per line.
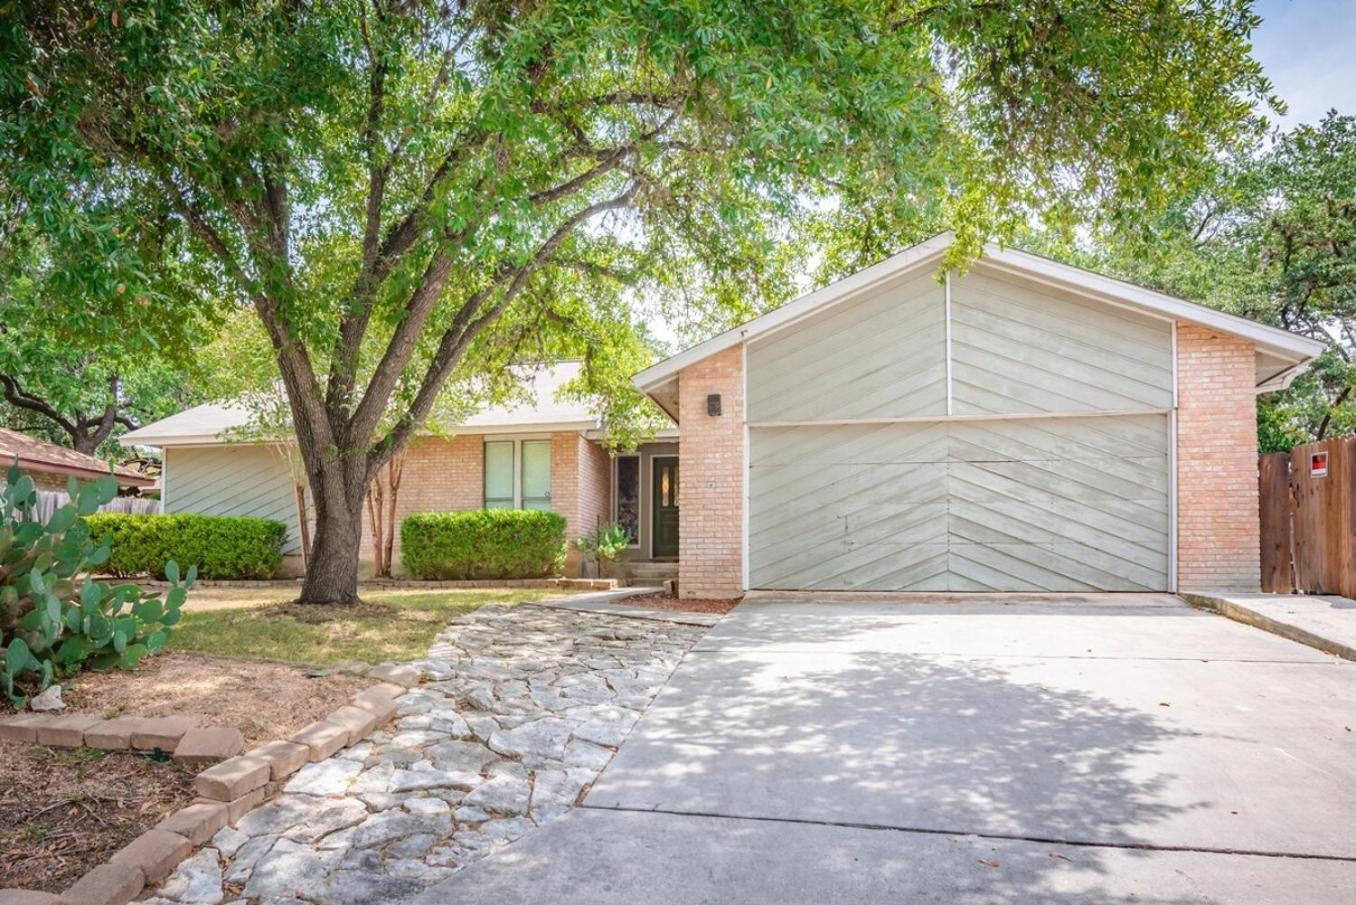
440	475
448	475
1217	518
581	485
711	478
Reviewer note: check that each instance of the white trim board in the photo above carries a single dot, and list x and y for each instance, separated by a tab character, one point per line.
1279	343
985	416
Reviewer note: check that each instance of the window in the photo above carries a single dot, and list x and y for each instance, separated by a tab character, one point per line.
518	474
628	496
499	475
536	469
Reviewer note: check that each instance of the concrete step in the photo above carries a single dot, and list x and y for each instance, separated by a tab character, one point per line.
651	569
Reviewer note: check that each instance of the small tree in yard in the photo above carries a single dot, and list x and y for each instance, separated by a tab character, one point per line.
382	495
407	193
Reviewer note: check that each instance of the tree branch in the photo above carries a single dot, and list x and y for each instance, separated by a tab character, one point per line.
18	397
466	326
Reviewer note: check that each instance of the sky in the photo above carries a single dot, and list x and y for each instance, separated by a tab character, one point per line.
1308	49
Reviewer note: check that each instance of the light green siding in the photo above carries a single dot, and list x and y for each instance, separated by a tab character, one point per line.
1017	347
1021	487
1042	504
233	479
881	356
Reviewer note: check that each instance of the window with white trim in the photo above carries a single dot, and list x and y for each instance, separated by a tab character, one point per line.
518	474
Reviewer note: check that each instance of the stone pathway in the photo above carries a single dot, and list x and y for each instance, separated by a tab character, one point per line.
522	709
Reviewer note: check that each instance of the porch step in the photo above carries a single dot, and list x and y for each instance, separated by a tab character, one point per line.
659	570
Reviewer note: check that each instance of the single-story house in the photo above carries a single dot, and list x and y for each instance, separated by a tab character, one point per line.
50	465
542	453
1028	426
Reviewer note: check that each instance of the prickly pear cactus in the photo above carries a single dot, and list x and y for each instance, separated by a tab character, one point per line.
54	617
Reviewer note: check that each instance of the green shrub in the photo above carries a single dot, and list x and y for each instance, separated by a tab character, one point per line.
54	618
605	544
490	543
222	546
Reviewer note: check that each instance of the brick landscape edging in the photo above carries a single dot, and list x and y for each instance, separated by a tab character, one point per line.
227	790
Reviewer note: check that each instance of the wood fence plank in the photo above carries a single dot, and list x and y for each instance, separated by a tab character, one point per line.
1273	484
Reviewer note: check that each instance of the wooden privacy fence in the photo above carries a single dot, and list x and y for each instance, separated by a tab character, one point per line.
1308	518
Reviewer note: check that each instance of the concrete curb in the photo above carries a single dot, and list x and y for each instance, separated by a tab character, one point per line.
1239	610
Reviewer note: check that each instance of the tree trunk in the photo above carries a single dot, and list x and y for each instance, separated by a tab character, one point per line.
374	518
394	469
332	574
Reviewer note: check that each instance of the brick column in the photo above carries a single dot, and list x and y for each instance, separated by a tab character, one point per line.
1218	534
711	474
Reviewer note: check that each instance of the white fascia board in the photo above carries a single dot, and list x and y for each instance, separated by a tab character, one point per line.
667	435
1279	342
848	287
163	440
522	427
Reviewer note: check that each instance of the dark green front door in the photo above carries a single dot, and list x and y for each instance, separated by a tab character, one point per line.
664	506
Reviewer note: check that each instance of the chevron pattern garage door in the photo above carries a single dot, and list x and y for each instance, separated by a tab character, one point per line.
1023	504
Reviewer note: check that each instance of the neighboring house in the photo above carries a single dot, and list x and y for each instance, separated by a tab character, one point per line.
543	454
1028	426
50	465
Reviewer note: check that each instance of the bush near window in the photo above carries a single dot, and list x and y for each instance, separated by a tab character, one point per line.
54	617
222	546
489	543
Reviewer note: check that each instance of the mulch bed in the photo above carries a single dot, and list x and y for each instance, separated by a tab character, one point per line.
65	810
263	699
685	604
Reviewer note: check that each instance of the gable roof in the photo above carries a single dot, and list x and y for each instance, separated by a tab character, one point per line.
212	423
39	455
1282	355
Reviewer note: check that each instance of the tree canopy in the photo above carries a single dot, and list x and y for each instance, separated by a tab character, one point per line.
1273	238
408	192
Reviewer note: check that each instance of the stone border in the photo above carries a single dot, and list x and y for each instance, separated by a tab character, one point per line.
227	790
178	736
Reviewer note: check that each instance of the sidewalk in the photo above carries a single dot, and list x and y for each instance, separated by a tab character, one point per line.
1325	623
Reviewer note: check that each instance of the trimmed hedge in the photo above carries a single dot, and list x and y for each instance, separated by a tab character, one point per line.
222	546
489	543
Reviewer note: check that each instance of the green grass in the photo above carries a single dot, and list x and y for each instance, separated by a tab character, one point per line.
393	625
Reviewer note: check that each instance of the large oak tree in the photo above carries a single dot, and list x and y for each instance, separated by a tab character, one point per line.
402	190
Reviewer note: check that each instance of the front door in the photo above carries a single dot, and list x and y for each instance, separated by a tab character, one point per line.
664	488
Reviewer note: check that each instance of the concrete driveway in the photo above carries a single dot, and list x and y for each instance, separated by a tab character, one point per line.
1091	749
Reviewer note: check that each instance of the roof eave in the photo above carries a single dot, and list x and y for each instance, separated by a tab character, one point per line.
75	471
1275	341
508	427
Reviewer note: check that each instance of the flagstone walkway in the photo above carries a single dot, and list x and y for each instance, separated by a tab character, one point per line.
521	710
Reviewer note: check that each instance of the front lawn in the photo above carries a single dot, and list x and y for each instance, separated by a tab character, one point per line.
397	624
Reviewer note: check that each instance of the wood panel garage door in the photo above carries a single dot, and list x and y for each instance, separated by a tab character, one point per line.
988	433
1038	504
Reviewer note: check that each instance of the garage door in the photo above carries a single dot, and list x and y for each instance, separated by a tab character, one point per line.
1038	504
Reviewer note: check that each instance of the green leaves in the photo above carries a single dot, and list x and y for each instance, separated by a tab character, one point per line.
54	616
